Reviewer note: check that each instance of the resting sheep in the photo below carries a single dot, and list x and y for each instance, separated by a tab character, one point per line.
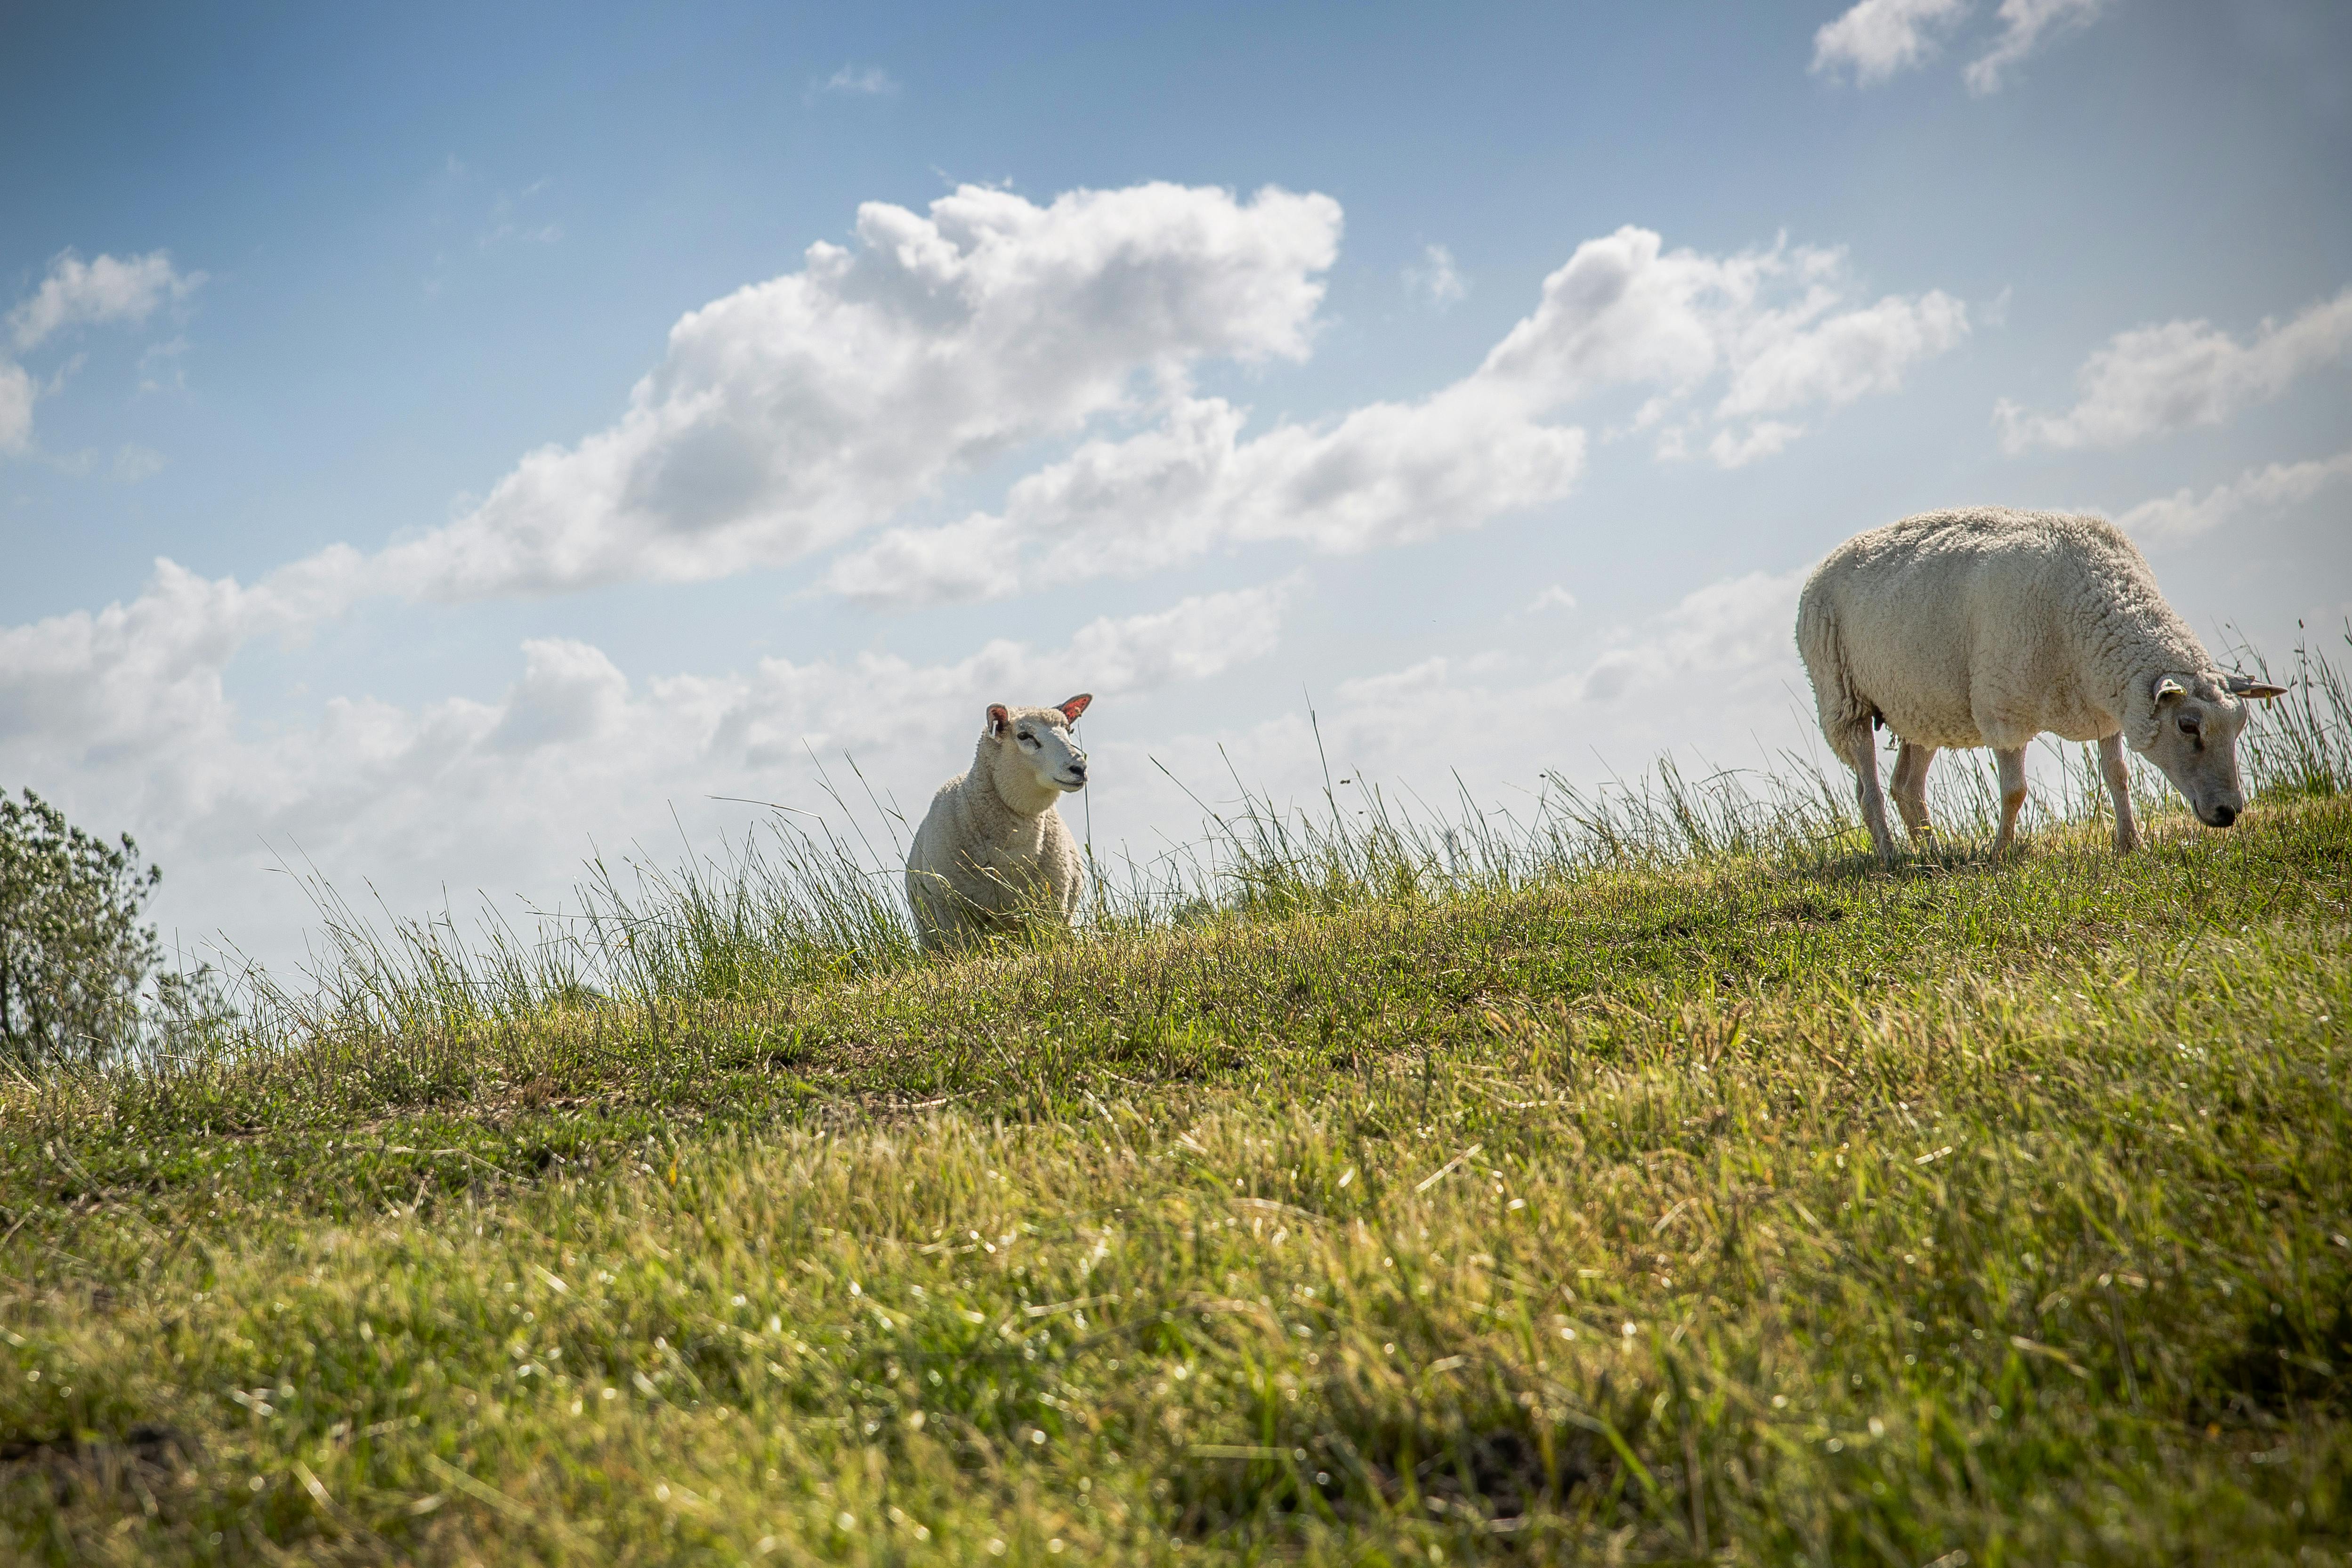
992	851
1986	626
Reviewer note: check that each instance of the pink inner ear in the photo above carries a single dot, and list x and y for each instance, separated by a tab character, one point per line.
1076	705
997	717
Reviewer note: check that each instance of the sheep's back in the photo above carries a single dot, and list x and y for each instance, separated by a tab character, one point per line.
1966	628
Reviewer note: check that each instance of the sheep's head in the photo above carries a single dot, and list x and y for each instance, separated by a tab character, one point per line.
1035	757
2187	725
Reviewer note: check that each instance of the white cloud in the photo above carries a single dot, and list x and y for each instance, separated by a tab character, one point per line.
2184	514
1624	310
570	692
108	288
16	394
860	81
1717	665
127	708
1193	640
1719	670
2025	27
1727	644
1436	278
2178	374
796	413
1738	449
142	674
1555	597
1879	38
1385	474
1787	364
801	413
76	293
142	683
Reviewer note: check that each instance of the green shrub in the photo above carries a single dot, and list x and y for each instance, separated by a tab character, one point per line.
73	954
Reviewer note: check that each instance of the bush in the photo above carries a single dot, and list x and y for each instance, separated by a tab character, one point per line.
72	953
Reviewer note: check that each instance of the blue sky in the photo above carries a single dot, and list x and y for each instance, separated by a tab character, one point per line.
1228	370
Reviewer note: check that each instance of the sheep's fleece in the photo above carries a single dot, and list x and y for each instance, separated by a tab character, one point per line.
1988	626
992	851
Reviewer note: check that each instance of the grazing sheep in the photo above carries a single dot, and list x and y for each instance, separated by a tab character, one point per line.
992	850
1985	626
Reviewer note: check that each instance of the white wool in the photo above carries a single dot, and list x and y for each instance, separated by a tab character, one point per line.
992	850
1986	626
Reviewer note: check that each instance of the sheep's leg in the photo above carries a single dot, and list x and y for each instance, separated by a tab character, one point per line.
1910	789
2116	770
2012	767
1864	755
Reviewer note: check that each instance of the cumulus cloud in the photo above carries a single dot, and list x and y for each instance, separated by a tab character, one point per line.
2176	374
78	293
130	704
1624	310
146	678
796	413
1717	669
2025	27
1787	359
1732	449
1727	643
1879	38
143	675
105	288
2185	514
1385	474
810	411
570	692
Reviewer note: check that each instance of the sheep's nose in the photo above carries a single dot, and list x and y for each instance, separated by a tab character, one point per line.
2223	816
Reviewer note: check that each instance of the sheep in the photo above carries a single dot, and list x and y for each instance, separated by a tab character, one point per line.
992	851
1986	626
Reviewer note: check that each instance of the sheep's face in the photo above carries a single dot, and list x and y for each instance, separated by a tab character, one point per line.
1036	756
2198	721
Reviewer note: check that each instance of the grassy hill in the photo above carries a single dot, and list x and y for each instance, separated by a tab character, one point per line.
1760	1206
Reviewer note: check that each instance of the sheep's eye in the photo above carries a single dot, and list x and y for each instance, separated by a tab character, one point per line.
2188	724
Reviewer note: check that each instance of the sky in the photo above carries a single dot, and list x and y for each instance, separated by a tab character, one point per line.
440	443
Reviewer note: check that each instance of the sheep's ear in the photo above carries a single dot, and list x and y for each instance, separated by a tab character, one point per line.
998	716
2167	689
1076	705
2246	686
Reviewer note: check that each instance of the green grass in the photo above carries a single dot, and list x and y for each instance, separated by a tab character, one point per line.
1760	1206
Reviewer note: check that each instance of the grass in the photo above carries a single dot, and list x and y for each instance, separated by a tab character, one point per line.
1648	1178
